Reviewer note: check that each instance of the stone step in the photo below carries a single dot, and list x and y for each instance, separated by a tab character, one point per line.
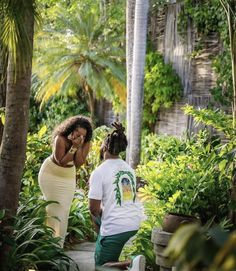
83	255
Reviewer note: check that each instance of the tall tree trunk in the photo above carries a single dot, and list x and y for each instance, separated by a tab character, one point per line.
232	36
13	148
2	78
230	10
140	36
233	53
130	9
91	102
231	13
2	91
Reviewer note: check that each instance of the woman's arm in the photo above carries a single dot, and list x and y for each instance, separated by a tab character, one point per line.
60	153
81	154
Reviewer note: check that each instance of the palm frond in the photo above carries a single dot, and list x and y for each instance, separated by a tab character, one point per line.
120	90
13	33
114	67
77	54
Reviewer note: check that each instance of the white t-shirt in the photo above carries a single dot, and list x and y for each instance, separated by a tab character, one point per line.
114	183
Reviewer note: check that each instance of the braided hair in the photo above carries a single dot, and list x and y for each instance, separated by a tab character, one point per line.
116	142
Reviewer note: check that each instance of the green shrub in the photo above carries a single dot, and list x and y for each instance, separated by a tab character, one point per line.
190	175
37	150
55	111
80	226
162	87
160	148
186	186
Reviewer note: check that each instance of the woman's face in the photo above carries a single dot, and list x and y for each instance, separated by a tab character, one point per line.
79	132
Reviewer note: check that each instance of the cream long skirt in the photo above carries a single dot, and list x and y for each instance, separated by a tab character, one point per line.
57	184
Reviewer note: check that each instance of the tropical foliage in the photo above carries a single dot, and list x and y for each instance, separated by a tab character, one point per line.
162	87
80	57
57	109
16	49
191	175
209	17
80	226
32	243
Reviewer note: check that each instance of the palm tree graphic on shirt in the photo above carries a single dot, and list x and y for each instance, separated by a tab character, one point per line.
125	187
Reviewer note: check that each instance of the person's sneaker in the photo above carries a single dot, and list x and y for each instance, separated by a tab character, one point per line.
138	263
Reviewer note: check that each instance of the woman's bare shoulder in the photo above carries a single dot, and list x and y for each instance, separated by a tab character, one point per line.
60	140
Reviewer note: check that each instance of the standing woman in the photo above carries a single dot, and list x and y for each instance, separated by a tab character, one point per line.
57	176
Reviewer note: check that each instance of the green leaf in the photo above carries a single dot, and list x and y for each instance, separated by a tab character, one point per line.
3	119
222	165
2	214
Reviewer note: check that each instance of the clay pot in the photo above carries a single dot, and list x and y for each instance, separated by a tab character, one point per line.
172	221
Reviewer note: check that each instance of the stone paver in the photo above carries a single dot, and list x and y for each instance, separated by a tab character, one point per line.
83	255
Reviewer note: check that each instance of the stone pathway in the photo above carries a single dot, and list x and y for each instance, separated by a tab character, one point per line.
83	255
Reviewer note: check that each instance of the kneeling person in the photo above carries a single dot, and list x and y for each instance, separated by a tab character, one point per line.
112	200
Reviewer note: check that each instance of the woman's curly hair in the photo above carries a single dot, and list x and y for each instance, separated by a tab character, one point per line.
116	142
72	123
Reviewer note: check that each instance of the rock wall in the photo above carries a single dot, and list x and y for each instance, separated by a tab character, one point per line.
196	73
103	112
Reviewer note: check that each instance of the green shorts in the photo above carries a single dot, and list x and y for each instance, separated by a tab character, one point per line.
108	248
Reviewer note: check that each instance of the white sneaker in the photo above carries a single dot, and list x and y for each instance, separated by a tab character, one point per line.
138	263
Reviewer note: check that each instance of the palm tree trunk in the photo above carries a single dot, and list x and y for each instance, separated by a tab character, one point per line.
230	10
2	92
91	102
12	152
140	35
130	8
231	13
234	77
2	105
232	36
2	78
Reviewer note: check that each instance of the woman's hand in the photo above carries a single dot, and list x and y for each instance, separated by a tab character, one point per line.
76	141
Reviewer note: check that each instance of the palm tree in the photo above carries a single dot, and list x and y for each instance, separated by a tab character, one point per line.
139	52
130	8
77	55
17	37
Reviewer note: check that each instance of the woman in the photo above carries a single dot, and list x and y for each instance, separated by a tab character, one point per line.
57	176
